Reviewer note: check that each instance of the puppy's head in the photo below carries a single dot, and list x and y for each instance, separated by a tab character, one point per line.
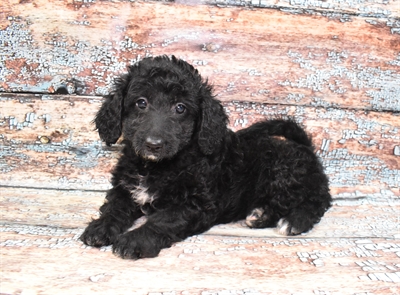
160	106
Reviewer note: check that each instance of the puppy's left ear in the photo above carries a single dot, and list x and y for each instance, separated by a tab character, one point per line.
213	123
108	120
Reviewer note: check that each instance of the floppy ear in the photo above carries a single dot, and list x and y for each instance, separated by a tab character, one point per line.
212	125
108	120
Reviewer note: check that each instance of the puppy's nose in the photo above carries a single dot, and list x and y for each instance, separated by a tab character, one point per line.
154	144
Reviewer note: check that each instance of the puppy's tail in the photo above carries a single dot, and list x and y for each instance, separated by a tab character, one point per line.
288	129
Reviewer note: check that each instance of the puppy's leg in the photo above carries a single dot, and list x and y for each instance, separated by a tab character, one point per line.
117	214
161	230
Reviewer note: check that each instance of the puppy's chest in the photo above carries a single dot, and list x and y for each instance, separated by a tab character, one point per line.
148	194
141	195
157	191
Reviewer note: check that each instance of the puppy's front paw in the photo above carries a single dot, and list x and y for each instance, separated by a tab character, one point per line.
100	233
137	244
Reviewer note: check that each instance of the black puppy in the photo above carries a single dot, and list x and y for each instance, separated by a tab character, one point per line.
186	171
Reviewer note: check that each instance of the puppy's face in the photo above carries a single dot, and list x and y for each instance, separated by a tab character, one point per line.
160	106
159	117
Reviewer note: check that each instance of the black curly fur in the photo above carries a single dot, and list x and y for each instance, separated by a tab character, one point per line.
186	171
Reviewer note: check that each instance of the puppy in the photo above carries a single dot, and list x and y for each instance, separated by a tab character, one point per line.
186	171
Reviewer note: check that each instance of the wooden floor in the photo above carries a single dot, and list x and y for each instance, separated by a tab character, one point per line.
354	250
334	66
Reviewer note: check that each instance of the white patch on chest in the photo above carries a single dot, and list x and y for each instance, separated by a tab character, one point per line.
141	196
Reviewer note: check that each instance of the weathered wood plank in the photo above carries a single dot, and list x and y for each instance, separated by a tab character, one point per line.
326	63
42	207
49	141
263	55
42	260
368	215
374	8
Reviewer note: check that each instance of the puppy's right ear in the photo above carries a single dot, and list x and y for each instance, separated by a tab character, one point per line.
108	120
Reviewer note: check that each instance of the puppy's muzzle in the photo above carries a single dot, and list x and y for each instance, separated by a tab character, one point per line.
153	148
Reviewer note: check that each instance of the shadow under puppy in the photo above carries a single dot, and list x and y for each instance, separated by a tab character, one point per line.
186	171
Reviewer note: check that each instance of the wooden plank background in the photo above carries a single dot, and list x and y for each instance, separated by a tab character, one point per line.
49	142
265	55
333	65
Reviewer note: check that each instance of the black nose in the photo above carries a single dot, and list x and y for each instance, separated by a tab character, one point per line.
153	144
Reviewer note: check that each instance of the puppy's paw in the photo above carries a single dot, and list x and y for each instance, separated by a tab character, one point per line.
136	244
284	227
261	218
287	227
257	218
100	233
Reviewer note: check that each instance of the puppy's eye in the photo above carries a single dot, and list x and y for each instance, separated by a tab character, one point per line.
141	103
180	108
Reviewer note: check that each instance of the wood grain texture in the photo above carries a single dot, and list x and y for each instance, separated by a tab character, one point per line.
264	55
333	65
354	250
58	264
373	8
368	215
49	141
